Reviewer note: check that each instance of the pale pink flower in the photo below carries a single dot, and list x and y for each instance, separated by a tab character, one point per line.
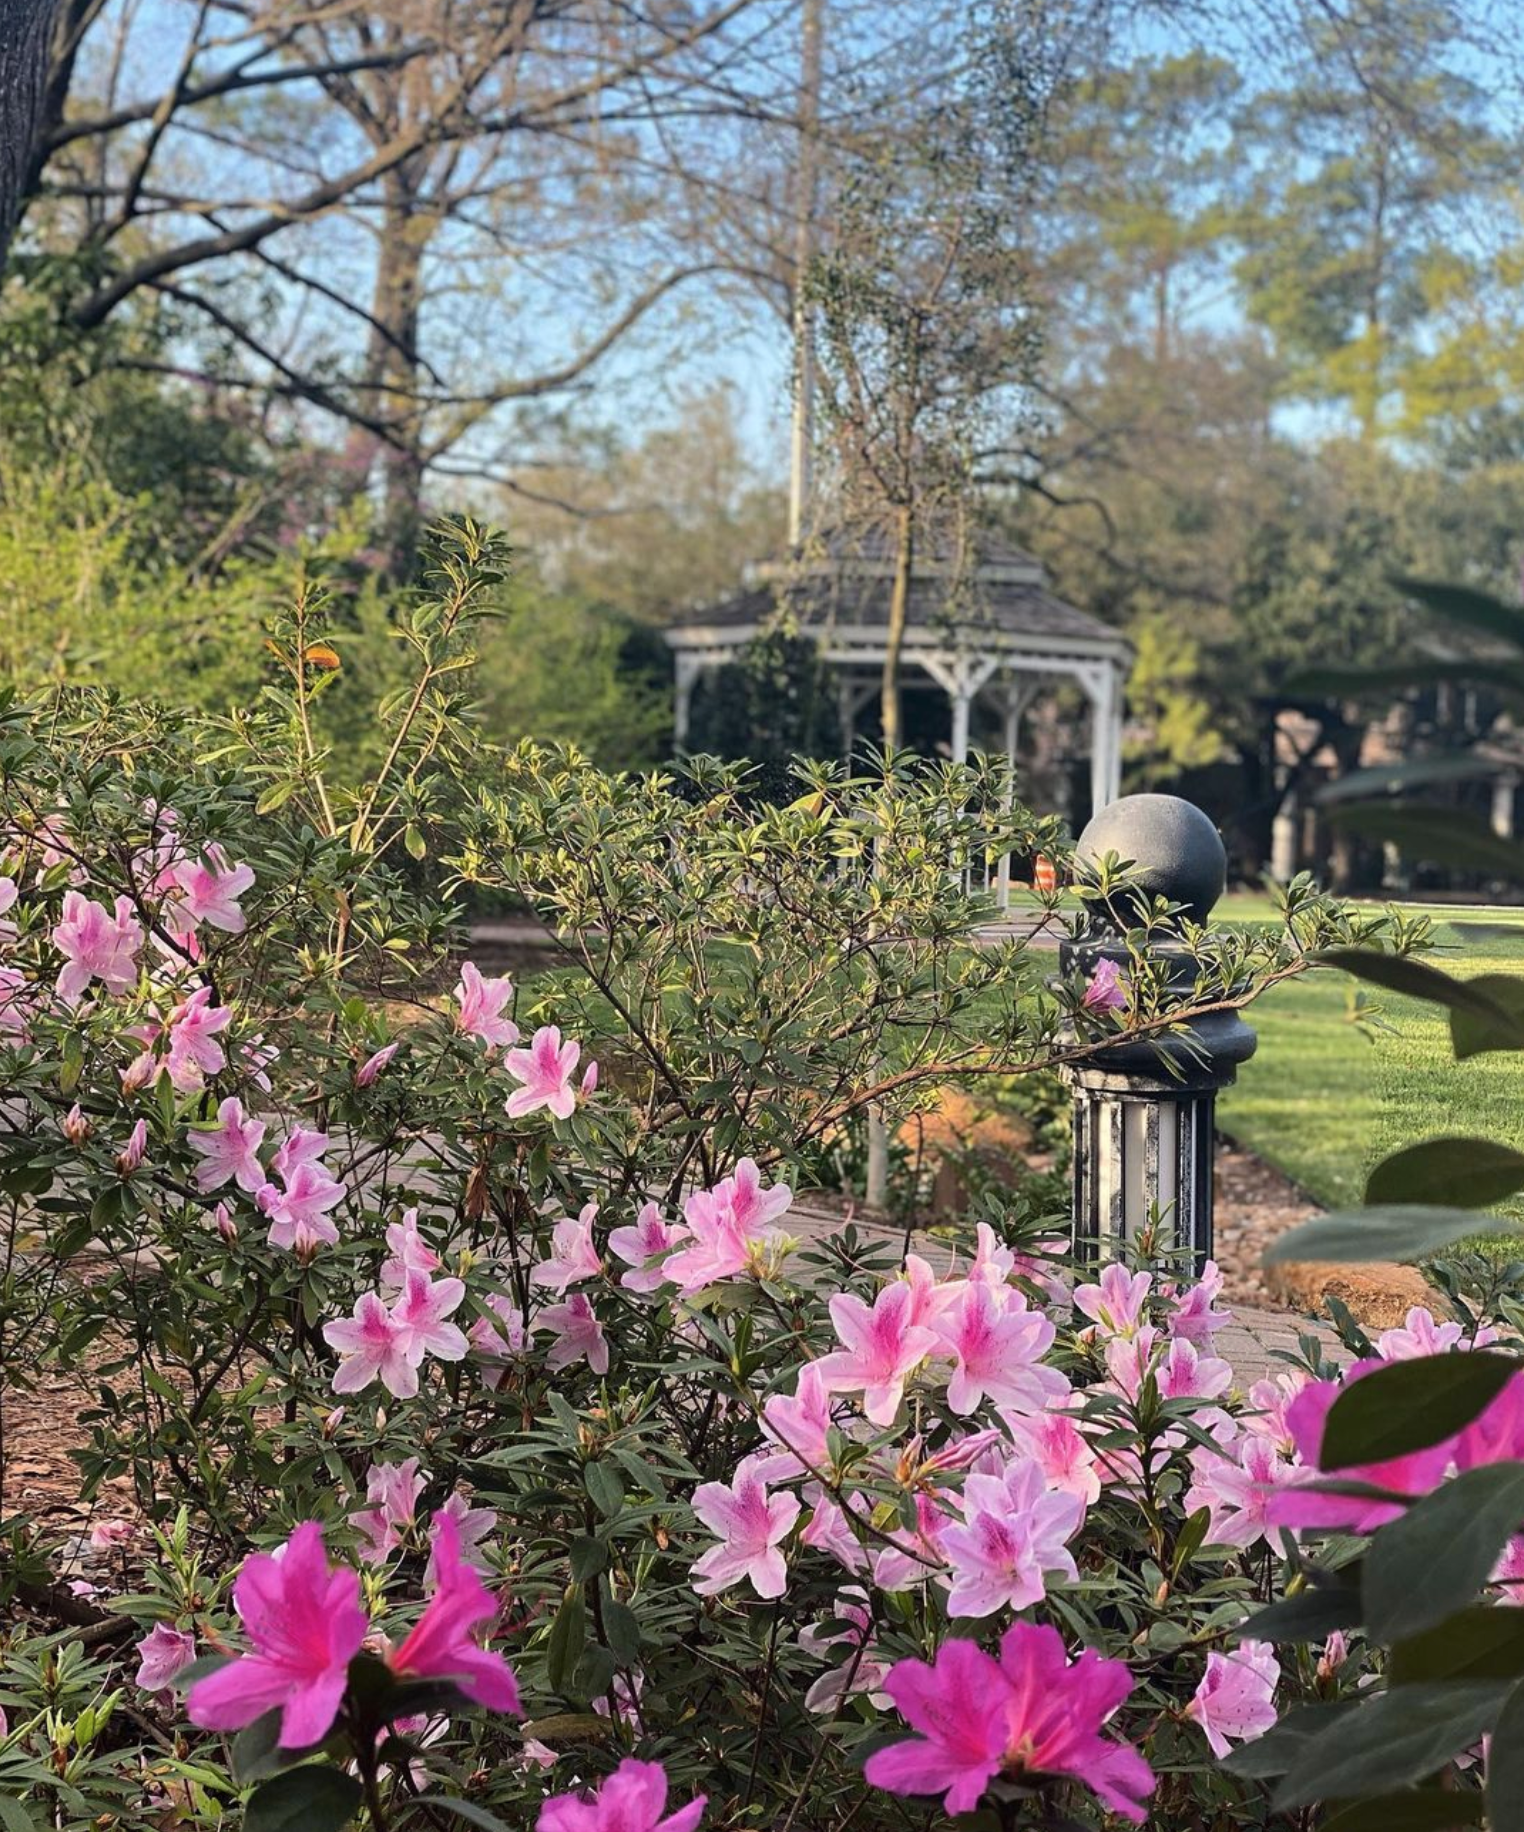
1191	1314
373	1065
881	1348
1118	1303
132	1154
193	1051
391	1492
1060	1449
798	1423
627	1689
546	1069
827	1530
442	1643
481	1004
1235	1701
140	1073
716	1247
300	1146
306	1623
106	1535
163	1655
579	1335
910	1560
96	946
749	1523
8	896
222	1215
1106	989
590	1081
300	1218
1335	1653
76	1125
753	1206
1030	1716
257	1058
573	1255
499	1339
642	1247
928	1295
1268	1403
1421	1335
993	1261
409	1251
1178	1370
632	1799
1013	1537
229	1150
209	892
1508	1573
1236	1489
371	1346
420	1315
997	1346
471	1524
860	1671
16	1000
532	1753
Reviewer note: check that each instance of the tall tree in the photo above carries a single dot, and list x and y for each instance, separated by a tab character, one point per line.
26	36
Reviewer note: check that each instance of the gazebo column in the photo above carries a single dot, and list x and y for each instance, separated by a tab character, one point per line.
1018	697
960	677
1104	686
689	668
851	697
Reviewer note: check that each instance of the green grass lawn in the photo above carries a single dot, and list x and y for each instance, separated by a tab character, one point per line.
1324	1100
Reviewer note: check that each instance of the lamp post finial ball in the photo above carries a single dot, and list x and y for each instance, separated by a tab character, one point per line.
1176	851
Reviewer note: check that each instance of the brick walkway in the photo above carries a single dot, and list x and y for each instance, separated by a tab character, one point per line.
1250	1342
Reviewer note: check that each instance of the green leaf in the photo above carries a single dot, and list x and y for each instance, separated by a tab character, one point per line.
276	796
622	1627
1402	1736
1386	778
567	1634
1311	1615
1424	1809
1410	1405
1435	833
256	1751
588	1557
606	1486
1282	1745
311	1799
1416	979
14	1817
1469	1173
1464	605
1424	1567
467	1810
1395	1231
1499	1026
1505	1767
1482	1642
1352	682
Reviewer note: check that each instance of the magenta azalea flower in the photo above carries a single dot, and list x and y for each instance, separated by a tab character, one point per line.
643	1246
1013	1536
163	1654
749	1523
632	1799
1106	989
481	1004
440	1645
997	1346
1235	1701
882	1346
546	1069
96	946
229	1150
1029	1716
306	1625
371	1346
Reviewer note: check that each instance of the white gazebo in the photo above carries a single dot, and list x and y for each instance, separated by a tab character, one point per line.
994	634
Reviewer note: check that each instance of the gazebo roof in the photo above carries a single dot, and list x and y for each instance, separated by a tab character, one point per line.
843	592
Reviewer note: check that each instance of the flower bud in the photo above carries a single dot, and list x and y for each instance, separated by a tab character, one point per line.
77	1125
590	1081
134	1151
226	1226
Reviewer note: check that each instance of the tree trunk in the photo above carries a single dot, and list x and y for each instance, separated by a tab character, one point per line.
26	37
899	613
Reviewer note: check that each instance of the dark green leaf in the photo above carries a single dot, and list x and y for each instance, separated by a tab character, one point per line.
1505	1767
1430	1563
311	1799
1410	1405
588	1558
463	1809
1282	1745
1483	1642
1435	833
567	1634
14	1817
623	1629
1312	1615
1387	778
1403	1736
1425	1809
202	1667
257	1753
1397	1231
1467	1173
1497	1026
1464	605
1414	979
606	1486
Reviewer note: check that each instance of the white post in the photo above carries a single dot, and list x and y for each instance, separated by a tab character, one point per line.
688	667
1101	718
1014	701
846	715
961	702
1504	787
1114	738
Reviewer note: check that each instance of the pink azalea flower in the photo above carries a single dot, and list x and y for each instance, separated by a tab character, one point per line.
643	1245
106	1535
860	1671
579	1335
573	1255
881	1348
798	1424
1060	1449
371	1346
96	946
222	1215
997	1346
373	1065
471	1524
1012	1538
1420	1335
306	1625
827	1530
420	1316
1118	1303
1269	1400
499	1339
76	1125
132	1154
1414	1474
15	1006
299	1214
193	1050
1178	1370
1508	1573
993	1261
1335	1653
632	1799
300	1146
8	895
546	1069
481	1008
210	890
716	1249
1235	1701
590	1081
229	1150
1106	989
1191	1314
749	1523
1029	1716
441	1645
1236	1491
409	1251
163	1655
910	1560
392	1490
752	1205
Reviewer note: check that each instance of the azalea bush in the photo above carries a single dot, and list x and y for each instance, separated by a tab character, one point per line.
472	1429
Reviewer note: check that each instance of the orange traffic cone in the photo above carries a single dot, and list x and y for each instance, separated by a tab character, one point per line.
1044	873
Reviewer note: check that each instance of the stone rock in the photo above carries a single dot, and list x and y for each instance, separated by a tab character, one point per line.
1177	852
